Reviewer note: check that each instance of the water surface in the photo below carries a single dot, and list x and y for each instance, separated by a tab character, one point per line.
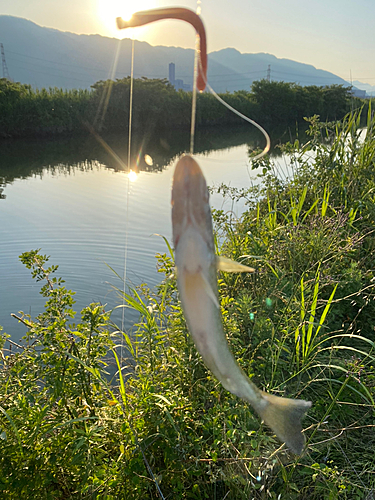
73	200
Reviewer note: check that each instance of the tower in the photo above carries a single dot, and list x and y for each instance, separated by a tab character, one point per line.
172	73
269	73
5	67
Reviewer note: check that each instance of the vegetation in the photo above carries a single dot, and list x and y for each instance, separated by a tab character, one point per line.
302	326
24	111
157	105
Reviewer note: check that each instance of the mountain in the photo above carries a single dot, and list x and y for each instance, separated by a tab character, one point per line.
45	57
370	89
255	66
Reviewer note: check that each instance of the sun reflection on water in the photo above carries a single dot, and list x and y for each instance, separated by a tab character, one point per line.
132	176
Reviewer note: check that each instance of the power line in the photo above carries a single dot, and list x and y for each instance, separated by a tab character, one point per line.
101	69
58	62
304	75
308	82
56	75
235	76
235	79
246	73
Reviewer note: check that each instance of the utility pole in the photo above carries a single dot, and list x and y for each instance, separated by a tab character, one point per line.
269	73
5	67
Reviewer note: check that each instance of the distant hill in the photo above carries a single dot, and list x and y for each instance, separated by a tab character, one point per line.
370	89
45	57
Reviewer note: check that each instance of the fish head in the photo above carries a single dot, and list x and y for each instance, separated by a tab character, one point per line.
190	202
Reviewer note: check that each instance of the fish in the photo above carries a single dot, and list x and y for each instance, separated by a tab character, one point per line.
196	267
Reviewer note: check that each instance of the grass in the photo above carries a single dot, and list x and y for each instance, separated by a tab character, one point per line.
163	427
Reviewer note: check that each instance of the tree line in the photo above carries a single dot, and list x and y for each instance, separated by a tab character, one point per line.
158	105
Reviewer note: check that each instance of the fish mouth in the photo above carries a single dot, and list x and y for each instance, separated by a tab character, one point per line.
190	199
187	172
189	189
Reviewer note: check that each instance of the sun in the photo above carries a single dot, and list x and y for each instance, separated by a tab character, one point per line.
109	10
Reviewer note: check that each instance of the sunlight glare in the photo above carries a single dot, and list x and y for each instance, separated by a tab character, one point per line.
132	176
127	16
109	10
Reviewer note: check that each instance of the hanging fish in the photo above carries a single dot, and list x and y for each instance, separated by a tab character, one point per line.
196	265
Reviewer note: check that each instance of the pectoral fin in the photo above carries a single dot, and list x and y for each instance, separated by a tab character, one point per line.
230	266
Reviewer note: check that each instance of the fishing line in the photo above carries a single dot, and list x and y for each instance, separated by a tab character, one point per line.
127	197
194	100
228	106
147	463
200	79
352	467
199	73
124	167
197	60
148	467
244	117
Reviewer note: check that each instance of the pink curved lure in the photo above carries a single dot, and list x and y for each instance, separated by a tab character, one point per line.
148	16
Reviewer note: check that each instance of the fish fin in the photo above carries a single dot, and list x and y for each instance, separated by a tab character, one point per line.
209	290
230	266
284	416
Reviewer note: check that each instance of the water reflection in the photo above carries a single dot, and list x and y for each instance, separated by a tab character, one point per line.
23	158
70	198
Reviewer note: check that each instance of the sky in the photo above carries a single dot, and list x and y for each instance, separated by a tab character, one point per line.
334	35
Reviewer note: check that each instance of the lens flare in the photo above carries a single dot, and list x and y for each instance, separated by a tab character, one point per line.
148	160
132	176
108	10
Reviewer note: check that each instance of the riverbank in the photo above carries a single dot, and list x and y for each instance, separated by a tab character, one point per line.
25	112
301	326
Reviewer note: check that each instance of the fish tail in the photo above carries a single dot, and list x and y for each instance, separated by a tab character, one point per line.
284	416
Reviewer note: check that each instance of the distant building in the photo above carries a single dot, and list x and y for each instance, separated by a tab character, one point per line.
172	73
178	84
359	93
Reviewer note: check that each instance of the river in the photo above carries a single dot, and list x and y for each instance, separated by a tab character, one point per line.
71	198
